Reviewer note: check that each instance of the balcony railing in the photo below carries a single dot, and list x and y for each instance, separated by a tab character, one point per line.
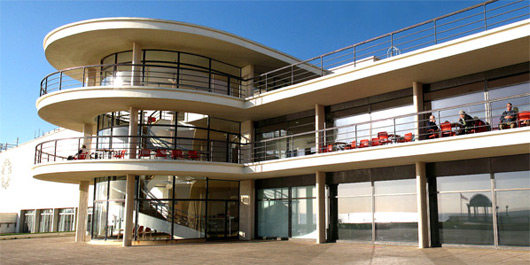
471	20
370	134
392	130
152	75
143	147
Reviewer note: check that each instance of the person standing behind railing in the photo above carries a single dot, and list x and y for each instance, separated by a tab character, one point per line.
432	128
508	118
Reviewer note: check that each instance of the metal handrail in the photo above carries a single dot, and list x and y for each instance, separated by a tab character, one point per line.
95	75
267	79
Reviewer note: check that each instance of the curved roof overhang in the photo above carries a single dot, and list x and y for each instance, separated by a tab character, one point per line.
87	42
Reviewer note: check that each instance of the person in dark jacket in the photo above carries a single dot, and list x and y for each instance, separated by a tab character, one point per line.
465	123
508	118
432	128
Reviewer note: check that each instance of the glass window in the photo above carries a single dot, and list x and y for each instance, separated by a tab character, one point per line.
465	218
513	218
273	218
355	218
275	193
117	188
354	189
101	188
512	180
304	192
190	188
396	218
100	220
467	182
156	187
395	186
304	220
154	220
228	190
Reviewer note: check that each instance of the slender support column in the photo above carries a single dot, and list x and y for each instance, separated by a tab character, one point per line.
417	95
421	192
129	209
320	138
321	206
80	233
247	139
136	74
133	132
55	220
246	209
247	73
87	136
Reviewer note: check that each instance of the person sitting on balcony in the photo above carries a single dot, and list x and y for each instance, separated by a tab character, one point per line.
432	128
508	118
82	153
465	123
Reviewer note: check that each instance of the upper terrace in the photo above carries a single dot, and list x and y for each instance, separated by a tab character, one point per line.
478	18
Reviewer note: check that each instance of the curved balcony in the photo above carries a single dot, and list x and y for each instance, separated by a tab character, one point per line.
146	75
138	147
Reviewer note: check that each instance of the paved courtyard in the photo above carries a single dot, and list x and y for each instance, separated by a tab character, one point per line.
64	251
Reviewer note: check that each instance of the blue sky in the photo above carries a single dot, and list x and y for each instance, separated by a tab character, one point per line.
304	29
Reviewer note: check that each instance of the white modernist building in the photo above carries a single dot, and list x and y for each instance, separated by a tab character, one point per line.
191	133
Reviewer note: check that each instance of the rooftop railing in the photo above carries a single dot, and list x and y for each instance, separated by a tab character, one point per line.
474	19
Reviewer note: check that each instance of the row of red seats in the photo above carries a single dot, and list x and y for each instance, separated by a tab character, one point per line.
382	138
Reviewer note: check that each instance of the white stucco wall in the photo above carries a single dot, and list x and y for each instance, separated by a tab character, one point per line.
19	190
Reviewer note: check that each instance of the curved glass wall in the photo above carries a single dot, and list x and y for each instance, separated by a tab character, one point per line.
167	207
181	135
173	69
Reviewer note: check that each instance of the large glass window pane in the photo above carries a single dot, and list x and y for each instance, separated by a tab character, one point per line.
29	221
189	219
467	182
465	218
511	180
66	220
354	189
275	193
304	222
228	190
395	186
190	188
154	220
216	219
513	218
396	218
100	220
156	187
101	188
355	218
46	218
116	219
117	188
273	218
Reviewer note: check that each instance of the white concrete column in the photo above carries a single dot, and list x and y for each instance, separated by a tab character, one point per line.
320	120
247	72
129	209
55	220
247	141
321	206
417	96
421	193
88	130
80	233
136	75
133	132
246	209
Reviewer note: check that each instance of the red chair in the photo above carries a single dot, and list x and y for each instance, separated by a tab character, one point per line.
193	155
408	137
364	143
120	154
446	129
145	153
480	126
352	146
375	142
177	154
523	119
432	133
82	156
383	138
161	153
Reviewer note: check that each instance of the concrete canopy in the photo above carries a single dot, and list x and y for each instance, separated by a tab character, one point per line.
87	42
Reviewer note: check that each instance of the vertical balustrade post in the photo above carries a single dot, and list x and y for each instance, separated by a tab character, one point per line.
435	33
485	17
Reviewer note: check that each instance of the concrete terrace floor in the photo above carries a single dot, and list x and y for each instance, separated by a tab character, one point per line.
64	251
